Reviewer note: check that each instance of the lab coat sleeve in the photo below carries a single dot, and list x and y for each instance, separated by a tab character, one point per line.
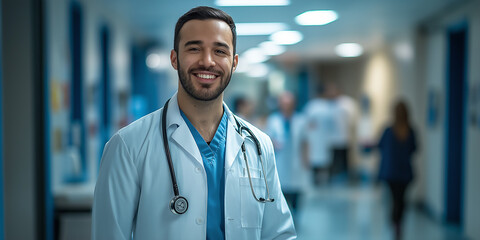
277	219
116	193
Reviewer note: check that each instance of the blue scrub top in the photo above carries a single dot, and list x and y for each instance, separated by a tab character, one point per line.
213	156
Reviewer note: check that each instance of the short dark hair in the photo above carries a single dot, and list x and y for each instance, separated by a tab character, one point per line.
204	13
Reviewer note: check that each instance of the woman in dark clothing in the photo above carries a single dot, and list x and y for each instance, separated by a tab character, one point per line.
397	146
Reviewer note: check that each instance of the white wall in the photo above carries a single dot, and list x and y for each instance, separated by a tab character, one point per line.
435	135
379	83
95	18
58	76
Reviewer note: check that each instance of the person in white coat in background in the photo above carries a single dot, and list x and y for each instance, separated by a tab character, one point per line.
286	129
319	128
191	170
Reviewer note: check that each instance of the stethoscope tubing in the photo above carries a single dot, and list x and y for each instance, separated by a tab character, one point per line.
167	149
252	137
178	204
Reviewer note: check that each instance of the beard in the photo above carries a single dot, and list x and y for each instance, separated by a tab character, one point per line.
206	92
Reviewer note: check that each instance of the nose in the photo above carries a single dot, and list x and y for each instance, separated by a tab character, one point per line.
207	60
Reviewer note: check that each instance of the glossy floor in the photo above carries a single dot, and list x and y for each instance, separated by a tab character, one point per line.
361	213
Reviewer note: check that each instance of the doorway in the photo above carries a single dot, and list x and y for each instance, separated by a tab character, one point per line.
77	133
105	88
457	56
1	134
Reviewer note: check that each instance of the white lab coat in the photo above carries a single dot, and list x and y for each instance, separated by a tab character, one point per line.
134	187
320	124
288	150
343	110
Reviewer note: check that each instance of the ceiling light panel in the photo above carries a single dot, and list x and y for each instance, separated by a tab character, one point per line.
318	17
255	55
349	50
271	48
248	29
286	37
232	3
258	70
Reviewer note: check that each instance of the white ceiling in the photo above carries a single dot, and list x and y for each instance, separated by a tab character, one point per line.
368	22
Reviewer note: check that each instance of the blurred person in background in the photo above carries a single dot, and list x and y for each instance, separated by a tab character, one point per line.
396	147
366	141
245	108
198	149
318	130
286	127
342	108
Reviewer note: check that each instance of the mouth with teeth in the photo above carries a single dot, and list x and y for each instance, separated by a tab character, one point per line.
205	77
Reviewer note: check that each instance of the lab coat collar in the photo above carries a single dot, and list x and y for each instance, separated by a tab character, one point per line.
183	137
234	139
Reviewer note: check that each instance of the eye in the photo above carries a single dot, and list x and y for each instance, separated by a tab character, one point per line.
221	52
193	49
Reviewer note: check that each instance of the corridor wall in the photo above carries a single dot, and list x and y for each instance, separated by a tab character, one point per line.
65	157
434	41
59	77
472	190
2	235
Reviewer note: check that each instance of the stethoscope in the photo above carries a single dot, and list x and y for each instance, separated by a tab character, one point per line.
179	204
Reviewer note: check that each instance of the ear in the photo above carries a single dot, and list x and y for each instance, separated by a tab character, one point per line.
173	59
235	62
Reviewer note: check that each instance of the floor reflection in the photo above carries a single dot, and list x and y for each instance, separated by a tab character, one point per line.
361	213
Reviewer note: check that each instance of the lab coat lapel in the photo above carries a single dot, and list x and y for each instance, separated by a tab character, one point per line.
234	140
182	135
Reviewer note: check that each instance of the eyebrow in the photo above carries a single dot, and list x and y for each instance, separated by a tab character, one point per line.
198	42
221	44
194	42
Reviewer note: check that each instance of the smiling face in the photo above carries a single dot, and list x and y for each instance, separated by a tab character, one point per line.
204	60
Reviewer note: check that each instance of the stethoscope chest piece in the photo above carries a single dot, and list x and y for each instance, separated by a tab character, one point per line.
178	205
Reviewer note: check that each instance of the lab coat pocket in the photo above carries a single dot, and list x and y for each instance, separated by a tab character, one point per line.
251	209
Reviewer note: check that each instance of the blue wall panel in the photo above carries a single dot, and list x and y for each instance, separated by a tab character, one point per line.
2	224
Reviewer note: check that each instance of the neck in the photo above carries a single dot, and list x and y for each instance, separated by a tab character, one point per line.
205	116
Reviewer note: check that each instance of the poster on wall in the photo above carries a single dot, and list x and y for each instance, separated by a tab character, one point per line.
474	105
477	104
433	107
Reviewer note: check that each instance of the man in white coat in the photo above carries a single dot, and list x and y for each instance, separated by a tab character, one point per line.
319	125
286	128
221	192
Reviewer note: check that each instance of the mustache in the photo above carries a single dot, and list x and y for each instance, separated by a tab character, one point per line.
211	69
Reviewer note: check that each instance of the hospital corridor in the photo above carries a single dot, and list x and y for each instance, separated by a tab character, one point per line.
338	120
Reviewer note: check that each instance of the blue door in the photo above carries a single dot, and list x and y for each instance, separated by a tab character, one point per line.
455	124
106	97
77	130
1	134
